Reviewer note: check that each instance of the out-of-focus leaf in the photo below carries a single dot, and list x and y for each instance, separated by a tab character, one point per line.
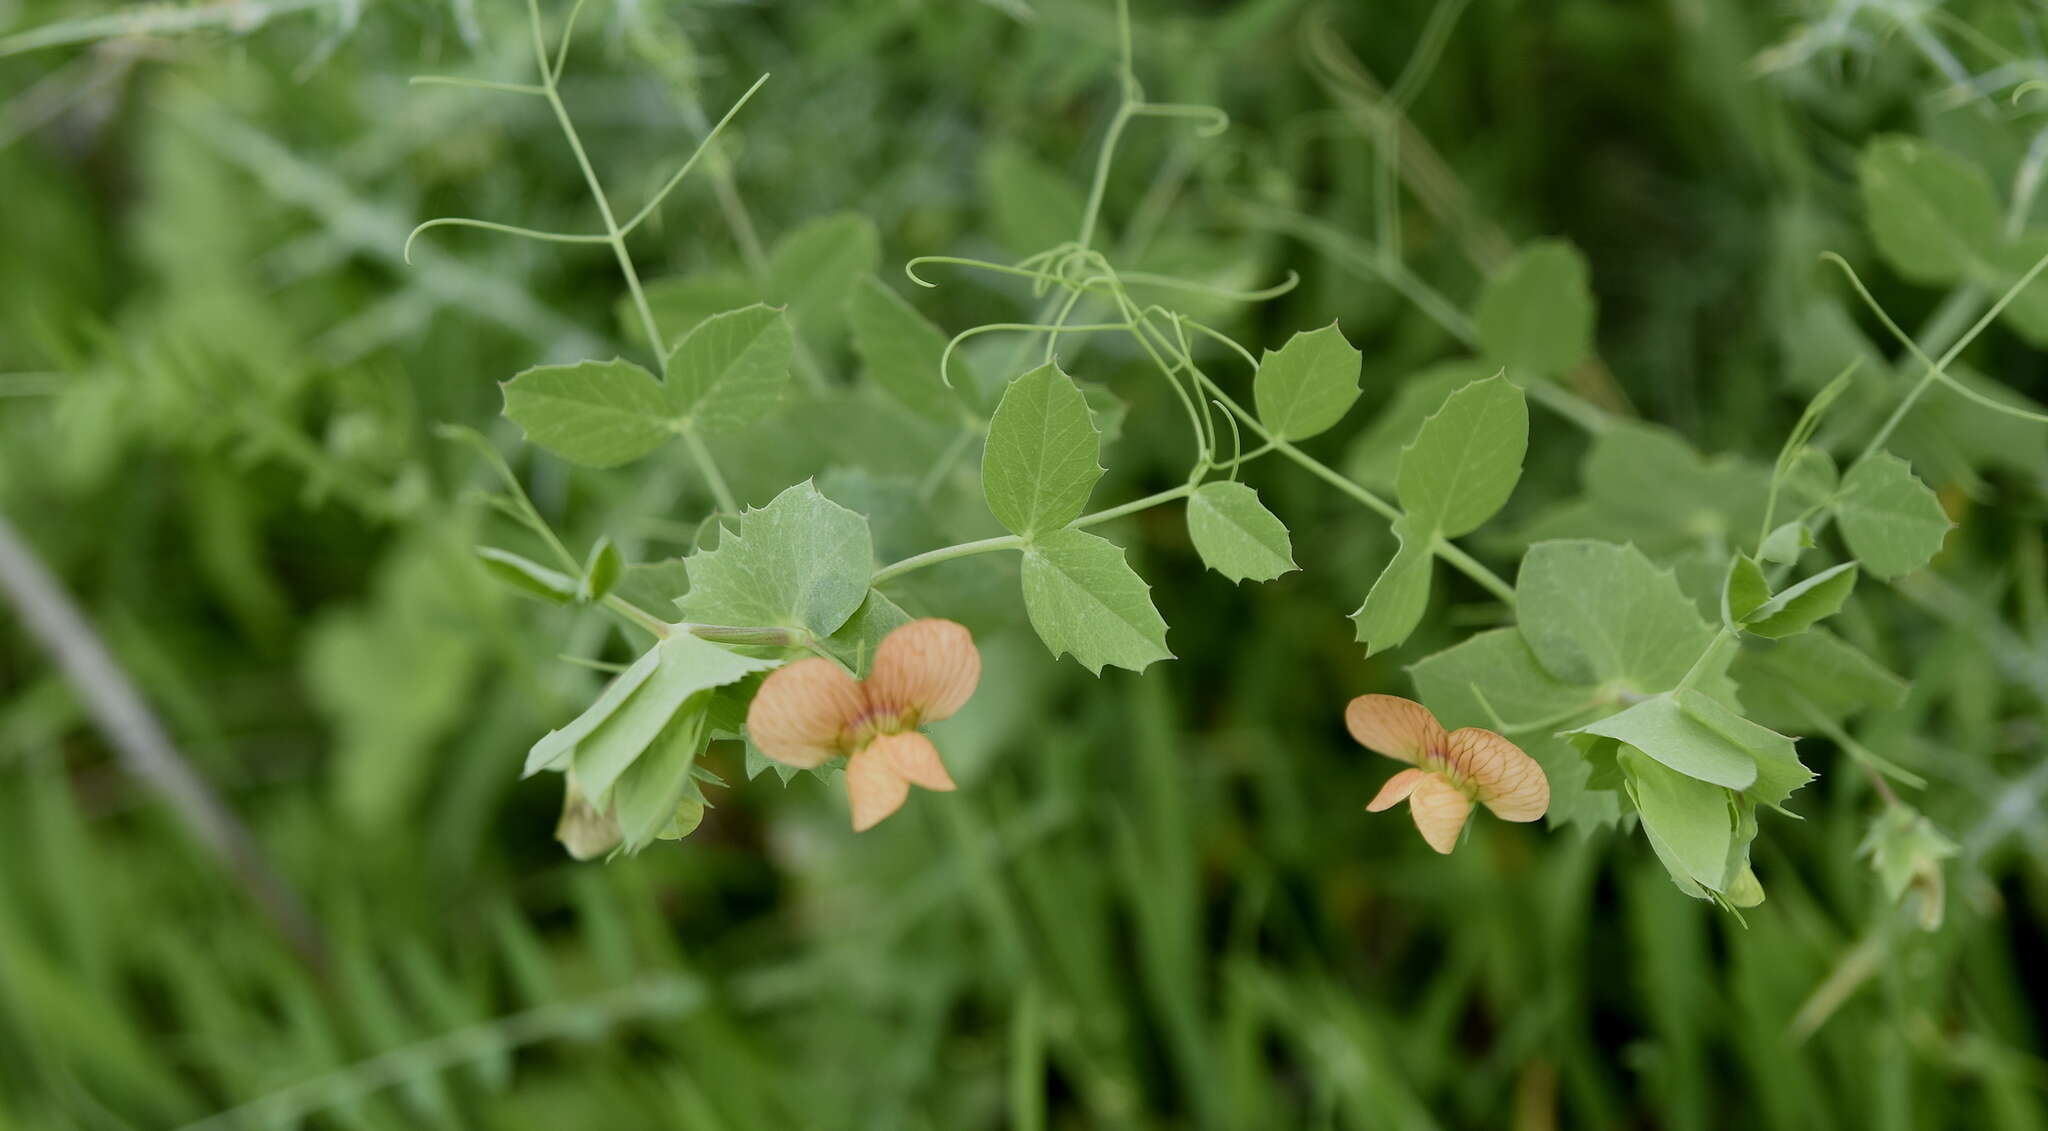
1894	524
1931	213
1535	315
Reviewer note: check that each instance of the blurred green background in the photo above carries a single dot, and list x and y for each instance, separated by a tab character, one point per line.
1156	901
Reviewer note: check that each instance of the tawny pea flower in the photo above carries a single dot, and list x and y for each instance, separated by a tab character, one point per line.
810	712
1448	772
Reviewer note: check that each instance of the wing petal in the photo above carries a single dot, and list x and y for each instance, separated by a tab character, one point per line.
928	666
1503	778
1399	728
1396	790
800	711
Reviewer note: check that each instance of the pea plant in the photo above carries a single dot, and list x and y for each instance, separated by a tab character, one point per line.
1658	645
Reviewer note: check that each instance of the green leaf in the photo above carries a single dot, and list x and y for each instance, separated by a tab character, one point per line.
901	349
1535	315
802	561
1493	678
1661	729
1306	386
1107	408
1375	457
391	679
1779	773
1931	213
1893	523
814	268
593	413
1031	206
684	667
855	643
1811	479
1906	850
1598	613
1798	682
1744	890
1745	590
1466	458
1396	602
757	762
1042	455
554	749
1784	545
2027	313
1809	472
731	370
600	571
527	576
689	813
1690	823
654	585
1644	484
679	303
1803	605
1236	535
1085	600
726	716
645	798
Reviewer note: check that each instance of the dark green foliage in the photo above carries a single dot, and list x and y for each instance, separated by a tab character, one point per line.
1155	901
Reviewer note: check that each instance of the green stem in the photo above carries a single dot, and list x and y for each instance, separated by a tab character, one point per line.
760	636
617	239
1103	157
1018	541
765	636
1134	506
1588	416
613	235
639	616
1878	766
1458	559
1335	478
1936	369
943	467
1897	417
945	554
1699	668
1475	569
727	504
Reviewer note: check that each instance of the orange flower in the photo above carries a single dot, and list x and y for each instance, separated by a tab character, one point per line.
1450	771
810	712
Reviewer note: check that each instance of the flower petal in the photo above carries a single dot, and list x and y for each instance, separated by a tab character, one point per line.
928	666
915	759
797	716
1503	778
874	786
1440	810
1401	729
1396	790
